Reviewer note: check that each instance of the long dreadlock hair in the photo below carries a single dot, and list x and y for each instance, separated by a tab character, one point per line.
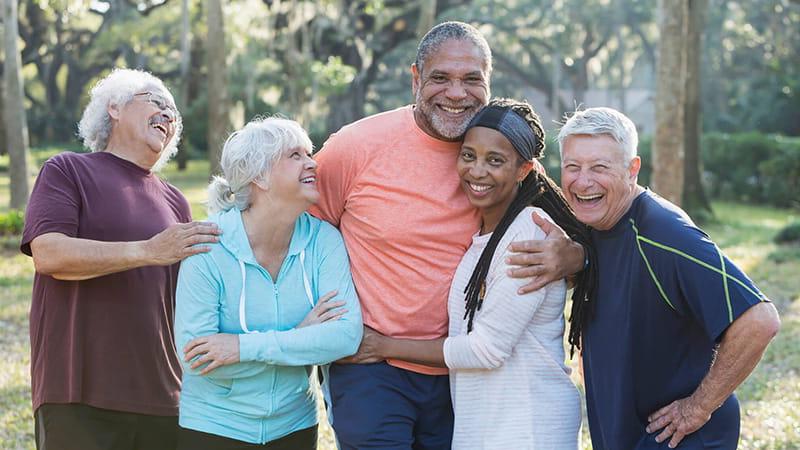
537	189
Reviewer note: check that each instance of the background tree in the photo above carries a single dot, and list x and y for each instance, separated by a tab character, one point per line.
218	112
670	101
14	110
695	201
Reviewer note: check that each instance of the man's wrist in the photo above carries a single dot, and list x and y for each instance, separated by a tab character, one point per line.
139	254
702	404
581	262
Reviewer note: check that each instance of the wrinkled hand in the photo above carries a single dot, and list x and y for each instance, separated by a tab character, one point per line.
544	261
369	349
177	242
324	310
215	350
678	419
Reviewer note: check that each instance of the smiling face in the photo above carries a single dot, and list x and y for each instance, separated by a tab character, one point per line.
145	124
598	183
294	178
452	88
490	169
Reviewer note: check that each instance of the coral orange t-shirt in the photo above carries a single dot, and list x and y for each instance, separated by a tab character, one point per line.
394	193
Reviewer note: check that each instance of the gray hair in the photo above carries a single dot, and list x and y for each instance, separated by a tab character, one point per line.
445	31
603	121
250	154
118	88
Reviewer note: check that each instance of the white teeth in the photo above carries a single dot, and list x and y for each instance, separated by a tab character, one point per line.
308	180
479	187
453	110
160	128
586	198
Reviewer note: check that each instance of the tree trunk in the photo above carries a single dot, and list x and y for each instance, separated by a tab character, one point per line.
427	17
695	201
555	95
182	157
348	106
14	114
670	101
3	149
217	91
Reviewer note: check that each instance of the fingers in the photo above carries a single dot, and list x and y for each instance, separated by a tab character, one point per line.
197	227
658	424
189	251
201	360
191	345
658	419
542	223
214	364
668	431
332	315
534	285
323	308
328	296
676	439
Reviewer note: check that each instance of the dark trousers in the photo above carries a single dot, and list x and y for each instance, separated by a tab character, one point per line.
76	426
378	406
305	439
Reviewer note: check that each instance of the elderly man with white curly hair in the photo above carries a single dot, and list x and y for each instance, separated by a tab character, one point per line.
106	235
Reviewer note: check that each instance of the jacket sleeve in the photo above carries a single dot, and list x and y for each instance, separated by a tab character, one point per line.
197	311
320	343
503	318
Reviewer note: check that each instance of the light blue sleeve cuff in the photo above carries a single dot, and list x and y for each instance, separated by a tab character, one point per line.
255	346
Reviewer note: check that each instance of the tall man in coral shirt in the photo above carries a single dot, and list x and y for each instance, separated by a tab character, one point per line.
389	182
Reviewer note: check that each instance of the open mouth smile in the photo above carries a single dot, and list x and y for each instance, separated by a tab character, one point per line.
479	188
588	198
454	109
160	125
308	180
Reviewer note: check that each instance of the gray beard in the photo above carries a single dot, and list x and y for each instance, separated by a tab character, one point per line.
441	126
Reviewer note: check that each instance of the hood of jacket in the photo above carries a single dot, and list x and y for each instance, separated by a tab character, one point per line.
234	236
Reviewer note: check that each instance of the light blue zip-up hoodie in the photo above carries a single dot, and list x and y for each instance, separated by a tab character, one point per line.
266	395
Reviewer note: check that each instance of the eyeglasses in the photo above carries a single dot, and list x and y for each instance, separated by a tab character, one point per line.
159	102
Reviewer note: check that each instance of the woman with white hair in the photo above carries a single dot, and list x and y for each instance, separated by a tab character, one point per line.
272	299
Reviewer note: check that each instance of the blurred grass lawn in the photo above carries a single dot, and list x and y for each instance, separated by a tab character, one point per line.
770	398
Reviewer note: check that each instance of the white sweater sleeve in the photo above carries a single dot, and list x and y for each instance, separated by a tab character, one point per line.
505	314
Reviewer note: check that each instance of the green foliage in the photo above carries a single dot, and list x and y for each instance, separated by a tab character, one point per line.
752	167
12	222
790	233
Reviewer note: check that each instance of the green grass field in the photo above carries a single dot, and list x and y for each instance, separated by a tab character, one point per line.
770	398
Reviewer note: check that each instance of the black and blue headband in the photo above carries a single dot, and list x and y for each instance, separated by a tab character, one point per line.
510	125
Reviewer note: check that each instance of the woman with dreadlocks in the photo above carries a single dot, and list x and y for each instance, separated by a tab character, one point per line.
509	384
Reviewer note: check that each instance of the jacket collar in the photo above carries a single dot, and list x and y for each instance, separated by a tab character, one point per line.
234	236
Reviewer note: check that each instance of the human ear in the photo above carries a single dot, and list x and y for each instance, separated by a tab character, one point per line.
113	110
415	79
524	170
261	183
634	166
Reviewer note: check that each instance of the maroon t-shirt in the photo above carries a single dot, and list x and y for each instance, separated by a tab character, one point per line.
108	341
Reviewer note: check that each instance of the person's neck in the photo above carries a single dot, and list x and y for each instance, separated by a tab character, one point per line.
141	158
491	216
269	227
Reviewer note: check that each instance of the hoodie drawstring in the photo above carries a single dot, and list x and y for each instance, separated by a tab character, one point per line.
242	297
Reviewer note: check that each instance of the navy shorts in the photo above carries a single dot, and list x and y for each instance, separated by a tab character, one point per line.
382	406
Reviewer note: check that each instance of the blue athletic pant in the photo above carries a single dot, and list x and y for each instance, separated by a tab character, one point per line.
381	406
